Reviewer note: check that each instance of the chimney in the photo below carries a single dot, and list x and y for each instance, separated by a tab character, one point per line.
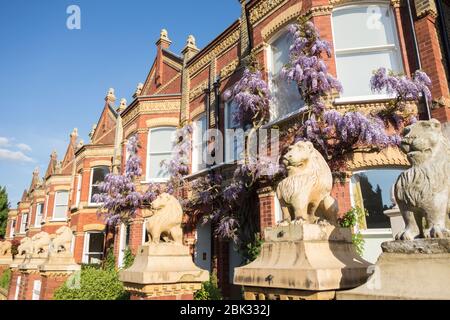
162	43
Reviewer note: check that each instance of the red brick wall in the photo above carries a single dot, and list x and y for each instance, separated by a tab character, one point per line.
50	284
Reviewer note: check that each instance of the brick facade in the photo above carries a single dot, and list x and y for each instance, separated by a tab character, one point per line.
179	89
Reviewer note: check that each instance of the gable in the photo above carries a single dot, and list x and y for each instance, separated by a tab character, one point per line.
106	126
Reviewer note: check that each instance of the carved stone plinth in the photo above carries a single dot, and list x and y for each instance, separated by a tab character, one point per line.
5	261
418	269
163	271
306	261
54	272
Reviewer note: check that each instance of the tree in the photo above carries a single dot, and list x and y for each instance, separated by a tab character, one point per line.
4	208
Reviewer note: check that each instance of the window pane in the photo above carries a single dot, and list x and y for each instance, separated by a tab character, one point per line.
60	212
285	96
363	26
161	140
96	242
99	175
234	139
62	198
156	170
355	70
375	187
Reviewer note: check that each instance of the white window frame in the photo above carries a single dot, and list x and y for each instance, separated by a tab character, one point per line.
240	156
353	204
388	47
196	162
59	205
144	231
278	213
86	251
122	245
24	222
269	57
149	154
36	290
12	230
18	282
46	207
37	223
94	204
78	191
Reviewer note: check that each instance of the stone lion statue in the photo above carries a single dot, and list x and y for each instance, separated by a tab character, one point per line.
423	191
305	193
5	248
26	246
165	220
62	240
41	242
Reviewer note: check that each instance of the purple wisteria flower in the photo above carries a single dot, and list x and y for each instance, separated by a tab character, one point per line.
252	97
401	86
307	68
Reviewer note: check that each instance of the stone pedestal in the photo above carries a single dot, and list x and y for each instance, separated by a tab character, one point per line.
306	261
163	271
29	272
54	272
418	269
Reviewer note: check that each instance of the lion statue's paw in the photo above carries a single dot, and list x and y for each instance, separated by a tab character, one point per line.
406	235
436	232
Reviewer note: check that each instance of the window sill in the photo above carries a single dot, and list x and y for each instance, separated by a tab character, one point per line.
156	180
363	99
376	232
58	220
284	118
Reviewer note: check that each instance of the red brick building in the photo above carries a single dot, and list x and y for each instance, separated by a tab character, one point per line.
188	88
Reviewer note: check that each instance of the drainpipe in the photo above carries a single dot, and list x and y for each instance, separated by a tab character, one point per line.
416	51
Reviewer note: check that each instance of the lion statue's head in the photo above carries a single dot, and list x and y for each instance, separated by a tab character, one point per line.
163	200
298	156
422	140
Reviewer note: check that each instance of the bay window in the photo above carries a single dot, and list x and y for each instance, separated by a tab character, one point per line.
198	145
61	205
39	214
365	39
98	175
234	135
160	141
286	99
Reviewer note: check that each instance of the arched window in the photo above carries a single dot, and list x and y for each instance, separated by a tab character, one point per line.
286	99
365	39
159	149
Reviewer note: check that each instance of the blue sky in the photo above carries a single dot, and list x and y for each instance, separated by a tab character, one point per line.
53	79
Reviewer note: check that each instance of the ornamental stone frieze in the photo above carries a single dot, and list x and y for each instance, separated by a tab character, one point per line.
281	20
215	51
264	8
229	69
152	107
198	90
